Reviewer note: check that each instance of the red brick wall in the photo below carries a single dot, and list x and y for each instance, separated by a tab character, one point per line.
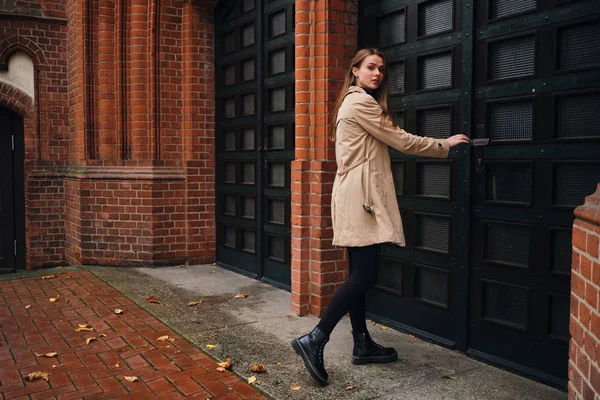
584	347
326	40
120	138
39	29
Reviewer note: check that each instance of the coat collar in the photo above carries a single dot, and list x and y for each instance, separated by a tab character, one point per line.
355	89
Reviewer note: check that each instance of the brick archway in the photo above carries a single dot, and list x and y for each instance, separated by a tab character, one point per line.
12	44
15	99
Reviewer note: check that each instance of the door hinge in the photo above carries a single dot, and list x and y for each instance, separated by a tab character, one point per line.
15	242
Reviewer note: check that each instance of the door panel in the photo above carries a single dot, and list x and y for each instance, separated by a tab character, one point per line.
487	264
255	137
9	126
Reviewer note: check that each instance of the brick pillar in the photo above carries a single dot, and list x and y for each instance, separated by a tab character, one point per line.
326	39
584	360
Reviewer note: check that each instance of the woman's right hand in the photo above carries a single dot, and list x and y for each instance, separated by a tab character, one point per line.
457	139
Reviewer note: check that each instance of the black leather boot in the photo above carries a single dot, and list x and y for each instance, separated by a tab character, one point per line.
366	351
310	347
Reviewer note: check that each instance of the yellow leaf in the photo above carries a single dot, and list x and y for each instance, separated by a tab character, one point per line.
52	354
221	369
411	336
118	311
90	339
38	375
49	277
212	272
451	377
130	378
495	390
182	266
117	365
251	380
295	388
226	364
259	368
279	364
194	303
67	276
53	299
213	264
351	387
82	329
241	296
84	325
153	299
171	339
210	346
28	306
102	335
383	328
163	338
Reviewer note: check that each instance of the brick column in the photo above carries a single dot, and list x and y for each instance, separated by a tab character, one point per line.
326	39
584	360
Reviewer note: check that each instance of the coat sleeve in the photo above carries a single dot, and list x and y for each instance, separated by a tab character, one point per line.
367	112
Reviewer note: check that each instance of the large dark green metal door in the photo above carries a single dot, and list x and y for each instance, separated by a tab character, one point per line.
486	269
255	136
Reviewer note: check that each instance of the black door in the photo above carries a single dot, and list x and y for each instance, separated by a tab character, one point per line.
255	136
11	192
486	269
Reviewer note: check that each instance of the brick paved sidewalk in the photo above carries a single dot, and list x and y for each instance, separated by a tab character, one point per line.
165	370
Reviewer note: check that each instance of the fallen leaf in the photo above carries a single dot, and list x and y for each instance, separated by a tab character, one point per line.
130	378
90	339
295	388
213	264
153	299
102	335
213	272
38	375
210	346
226	364
279	364
28	306
182	266
68	277
411	336
51	354
251	380
240	296
451	377
117	365
53	299
259	368
495	390
84	325
194	303
118	311
352	387
171	339
221	369
163	338
49	277
383	328
83	329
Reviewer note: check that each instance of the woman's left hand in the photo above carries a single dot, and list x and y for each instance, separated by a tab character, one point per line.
457	139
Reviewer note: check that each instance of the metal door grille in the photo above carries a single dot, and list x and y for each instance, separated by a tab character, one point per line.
505	8
248	73
398	173
559	317
436	17
433	233
513	58
435	71
277	62
433	179
436	123
561	251
431	285
505	304
575	182
579	46
511	121
396	77
390	275
579	116
509	183
392	29
507	244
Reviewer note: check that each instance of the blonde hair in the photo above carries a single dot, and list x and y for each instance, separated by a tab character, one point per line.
380	94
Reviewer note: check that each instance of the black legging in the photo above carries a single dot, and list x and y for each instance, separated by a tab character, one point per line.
363	265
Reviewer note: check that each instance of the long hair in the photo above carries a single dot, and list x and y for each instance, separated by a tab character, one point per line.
380	94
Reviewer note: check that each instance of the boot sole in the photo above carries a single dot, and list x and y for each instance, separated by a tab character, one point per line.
374	360
309	367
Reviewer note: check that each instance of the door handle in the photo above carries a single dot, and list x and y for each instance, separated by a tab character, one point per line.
479	161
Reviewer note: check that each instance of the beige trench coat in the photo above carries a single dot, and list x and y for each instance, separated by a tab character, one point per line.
364	209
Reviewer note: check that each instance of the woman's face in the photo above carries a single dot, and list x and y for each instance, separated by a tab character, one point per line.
370	73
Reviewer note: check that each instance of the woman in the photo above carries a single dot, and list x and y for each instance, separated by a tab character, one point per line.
364	209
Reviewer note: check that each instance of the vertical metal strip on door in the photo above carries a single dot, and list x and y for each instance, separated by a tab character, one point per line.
254	136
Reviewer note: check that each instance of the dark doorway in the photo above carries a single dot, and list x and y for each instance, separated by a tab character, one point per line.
12	221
